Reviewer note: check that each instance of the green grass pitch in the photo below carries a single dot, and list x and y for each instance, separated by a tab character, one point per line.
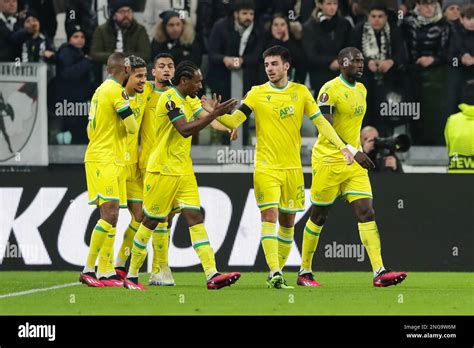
349	293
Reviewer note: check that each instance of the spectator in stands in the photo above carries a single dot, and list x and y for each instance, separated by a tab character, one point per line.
81	13
460	58
384	161
324	35
426	35
74	83
34	45
46	13
452	12
9	23
208	13
459	134
154	8
287	34
121	33
381	44
235	45
176	36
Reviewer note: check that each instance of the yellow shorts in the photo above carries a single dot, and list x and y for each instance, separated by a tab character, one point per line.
105	182
134	182
330	181
164	194
282	188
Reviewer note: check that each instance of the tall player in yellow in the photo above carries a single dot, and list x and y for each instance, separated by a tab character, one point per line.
139	91
343	102
279	107
170	183
110	119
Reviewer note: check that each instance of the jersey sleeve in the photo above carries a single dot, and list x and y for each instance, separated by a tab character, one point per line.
121	102
311	109
168	105
196	105
249	99
327	99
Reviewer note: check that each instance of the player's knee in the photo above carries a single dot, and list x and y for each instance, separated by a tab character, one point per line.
269	215
319	219
111	216
366	214
194	217
149	223
138	216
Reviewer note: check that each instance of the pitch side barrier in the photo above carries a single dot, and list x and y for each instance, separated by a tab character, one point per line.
425	223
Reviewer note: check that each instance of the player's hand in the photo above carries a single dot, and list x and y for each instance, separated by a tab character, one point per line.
225	107
391	162
347	155
234	134
209	105
364	160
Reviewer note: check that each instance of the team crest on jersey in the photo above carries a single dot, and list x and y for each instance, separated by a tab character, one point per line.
294	97
170	105
124	95
324	98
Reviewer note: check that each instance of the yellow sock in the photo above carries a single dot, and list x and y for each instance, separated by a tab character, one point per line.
106	256
126	247
285	241
369	235
160	242
270	245
140	242
310	243
99	233
203	248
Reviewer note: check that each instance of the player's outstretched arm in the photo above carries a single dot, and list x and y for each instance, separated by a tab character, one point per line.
325	129
187	129
129	120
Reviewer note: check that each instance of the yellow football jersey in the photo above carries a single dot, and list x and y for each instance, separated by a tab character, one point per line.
279	115
347	103
138	104
147	130
171	152
106	132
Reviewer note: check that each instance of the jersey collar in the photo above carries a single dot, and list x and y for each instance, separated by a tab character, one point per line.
347	83
279	88
178	92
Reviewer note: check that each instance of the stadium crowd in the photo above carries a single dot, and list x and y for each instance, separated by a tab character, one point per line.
418	53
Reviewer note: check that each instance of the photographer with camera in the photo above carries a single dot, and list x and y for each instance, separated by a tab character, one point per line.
382	150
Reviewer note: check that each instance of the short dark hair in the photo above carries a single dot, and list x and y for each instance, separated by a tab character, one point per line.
468	93
136	62
467	11
278	50
345	52
184	69
322	1
378	7
162	55
244	5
